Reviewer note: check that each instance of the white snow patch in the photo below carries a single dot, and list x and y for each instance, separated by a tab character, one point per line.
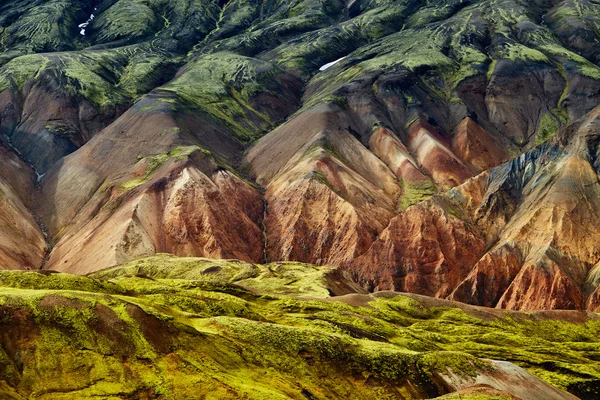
86	23
331	64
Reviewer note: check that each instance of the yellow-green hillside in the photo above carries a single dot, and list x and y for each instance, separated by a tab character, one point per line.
174	328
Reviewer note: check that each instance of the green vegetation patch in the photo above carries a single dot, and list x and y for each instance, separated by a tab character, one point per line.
154	162
15	74
414	193
224	85
228	329
284	277
55	281
550	124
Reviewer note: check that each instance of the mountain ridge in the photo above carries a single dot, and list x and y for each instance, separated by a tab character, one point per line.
306	199
208	129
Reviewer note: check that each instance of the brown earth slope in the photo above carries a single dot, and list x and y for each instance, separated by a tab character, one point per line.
22	242
520	236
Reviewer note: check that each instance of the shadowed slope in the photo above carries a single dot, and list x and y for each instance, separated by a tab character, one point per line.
22	243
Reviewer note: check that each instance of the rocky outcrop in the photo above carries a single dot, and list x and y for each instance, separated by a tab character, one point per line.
521	236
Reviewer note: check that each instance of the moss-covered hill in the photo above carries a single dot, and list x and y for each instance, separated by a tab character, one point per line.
184	328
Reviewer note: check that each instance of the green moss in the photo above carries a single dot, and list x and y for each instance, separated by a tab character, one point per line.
169	131
224	85
134	183
63	130
550	123
38	27
284	277
459	363
125	19
55	281
326	146
519	52
463	396
144	71
153	163
181	152
337	100
163	325
319	177
492	69
414	193
15	74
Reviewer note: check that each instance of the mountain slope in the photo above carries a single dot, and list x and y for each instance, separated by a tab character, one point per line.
304	130
520	236
23	245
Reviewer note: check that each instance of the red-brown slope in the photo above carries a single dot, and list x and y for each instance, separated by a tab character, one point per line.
476	147
162	177
424	250
523	236
433	152
182	211
335	176
159	179
46	121
390	149
22	243
327	196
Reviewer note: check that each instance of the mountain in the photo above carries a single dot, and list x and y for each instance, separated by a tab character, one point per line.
310	131
170	328
520	236
307	199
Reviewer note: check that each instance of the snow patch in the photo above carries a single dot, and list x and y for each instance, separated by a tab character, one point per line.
86	23
331	64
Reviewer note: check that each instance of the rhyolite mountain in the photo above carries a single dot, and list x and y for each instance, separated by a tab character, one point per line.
224	199
445	148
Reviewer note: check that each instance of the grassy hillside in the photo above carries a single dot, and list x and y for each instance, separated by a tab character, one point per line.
174	328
